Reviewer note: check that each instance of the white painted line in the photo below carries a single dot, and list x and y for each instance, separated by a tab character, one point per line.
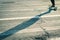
16	9
51	16
27	9
16	18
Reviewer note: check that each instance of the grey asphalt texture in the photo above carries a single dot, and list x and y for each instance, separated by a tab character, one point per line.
30	28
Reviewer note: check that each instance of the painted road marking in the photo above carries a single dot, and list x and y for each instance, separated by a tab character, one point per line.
16	18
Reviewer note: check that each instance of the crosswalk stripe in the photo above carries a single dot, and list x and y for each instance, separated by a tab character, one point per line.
16	18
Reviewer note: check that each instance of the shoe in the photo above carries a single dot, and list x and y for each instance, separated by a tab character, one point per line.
53	8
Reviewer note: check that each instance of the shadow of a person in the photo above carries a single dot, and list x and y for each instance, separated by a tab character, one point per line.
21	26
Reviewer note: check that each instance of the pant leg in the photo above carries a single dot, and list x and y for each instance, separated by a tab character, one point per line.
53	2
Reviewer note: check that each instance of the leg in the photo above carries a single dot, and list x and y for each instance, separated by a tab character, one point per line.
53	3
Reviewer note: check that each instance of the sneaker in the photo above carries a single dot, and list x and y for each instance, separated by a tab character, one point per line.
53	8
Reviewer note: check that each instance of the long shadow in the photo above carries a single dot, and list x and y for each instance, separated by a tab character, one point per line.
23	25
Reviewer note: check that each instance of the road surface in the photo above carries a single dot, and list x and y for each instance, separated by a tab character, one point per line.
25	18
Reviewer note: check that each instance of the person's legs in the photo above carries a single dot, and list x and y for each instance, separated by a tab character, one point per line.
53	7
53	3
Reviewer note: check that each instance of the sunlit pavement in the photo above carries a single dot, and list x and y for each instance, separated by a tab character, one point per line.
16	12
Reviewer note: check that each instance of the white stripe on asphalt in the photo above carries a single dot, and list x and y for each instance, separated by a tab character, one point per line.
26	9
51	16
17	9
16	18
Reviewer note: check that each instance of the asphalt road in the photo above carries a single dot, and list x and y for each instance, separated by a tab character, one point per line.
27	16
